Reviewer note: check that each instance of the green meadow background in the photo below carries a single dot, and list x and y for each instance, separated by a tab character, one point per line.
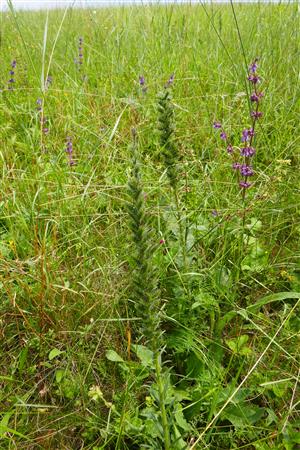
65	244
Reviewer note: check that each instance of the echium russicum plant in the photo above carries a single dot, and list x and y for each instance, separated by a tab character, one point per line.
12	80
144	279
242	159
166	127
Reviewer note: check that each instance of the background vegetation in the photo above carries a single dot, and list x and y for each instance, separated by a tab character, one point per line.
219	368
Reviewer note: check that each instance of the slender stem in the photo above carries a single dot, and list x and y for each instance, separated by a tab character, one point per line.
161	392
182	232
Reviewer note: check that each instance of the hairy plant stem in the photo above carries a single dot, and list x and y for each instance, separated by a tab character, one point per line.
161	393
182	231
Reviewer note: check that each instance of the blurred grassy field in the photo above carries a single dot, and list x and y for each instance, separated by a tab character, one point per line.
64	238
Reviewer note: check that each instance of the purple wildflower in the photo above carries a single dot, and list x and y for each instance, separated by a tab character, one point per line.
43	119
214	213
44	122
254	79
253	66
247	134
80	51
39	103
256	96
242	164
69	151
12	73
244	184
256	114
48	81
170	81
246	171
236	166
142	83
247	151
162	241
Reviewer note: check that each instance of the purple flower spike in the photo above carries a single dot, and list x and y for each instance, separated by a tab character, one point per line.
242	156
253	66
80	52
12	73
254	79
245	135
69	151
244	184
246	171
170	81
214	213
48	81
254	98
247	151
236	166
142	83
256	114
39	103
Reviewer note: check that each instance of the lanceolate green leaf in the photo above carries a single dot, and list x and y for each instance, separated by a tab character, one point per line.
271	298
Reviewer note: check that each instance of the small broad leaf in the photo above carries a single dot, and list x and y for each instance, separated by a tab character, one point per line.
144	354
59	374
54	353
111	355
243	415
180	419
238	345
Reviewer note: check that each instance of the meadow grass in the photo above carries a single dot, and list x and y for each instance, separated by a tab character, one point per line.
77	372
